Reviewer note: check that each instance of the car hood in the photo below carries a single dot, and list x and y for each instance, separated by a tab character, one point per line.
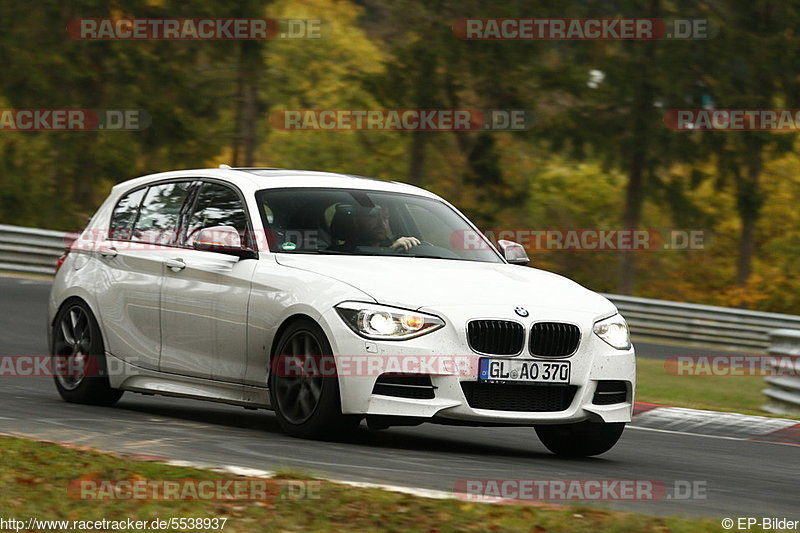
420	282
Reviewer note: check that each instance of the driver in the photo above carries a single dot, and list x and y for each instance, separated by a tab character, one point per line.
371	228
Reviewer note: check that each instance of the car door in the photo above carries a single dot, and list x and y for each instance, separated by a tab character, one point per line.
204	297
143	226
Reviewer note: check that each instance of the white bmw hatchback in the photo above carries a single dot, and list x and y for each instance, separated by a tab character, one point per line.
331	299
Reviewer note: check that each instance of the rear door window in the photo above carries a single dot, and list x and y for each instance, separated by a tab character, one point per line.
157	222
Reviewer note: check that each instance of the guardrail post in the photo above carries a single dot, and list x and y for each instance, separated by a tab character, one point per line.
783	389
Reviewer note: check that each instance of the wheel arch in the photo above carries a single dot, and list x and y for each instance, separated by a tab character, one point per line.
289	321
75	294
67	301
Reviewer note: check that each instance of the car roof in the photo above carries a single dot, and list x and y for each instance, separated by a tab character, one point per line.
253	179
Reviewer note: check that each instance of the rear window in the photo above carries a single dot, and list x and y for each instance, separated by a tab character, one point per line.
125	215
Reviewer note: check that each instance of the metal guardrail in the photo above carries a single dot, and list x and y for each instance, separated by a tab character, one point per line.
783	389
36	251
708	324
30	250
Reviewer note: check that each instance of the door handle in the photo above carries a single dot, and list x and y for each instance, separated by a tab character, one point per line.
108	251
176	265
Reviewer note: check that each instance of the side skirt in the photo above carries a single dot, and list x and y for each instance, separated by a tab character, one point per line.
129	377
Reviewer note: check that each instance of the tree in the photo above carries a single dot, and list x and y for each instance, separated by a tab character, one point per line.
751	65
618	116
430	68
54	71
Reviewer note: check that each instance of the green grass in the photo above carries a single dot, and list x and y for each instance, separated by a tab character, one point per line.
35	477
739	394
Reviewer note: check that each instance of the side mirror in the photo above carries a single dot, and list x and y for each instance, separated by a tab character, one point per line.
513	252
223	240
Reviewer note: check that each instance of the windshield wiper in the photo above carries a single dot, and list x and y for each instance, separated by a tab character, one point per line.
440	257
311	252
421	256
370	254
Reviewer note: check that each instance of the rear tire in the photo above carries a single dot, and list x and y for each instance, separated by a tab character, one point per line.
583	439
79	361
308	405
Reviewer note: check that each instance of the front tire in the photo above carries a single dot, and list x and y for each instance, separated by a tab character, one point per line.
583	439
79	362
307	404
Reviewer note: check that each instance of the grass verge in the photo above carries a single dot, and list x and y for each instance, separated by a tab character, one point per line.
35	477
739	394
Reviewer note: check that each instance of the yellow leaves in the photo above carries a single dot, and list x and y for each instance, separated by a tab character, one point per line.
748	296
325	74
342	50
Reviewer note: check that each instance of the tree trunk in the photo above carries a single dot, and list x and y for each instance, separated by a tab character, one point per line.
248	104
237	119
634	192
416	159
749	210
634	199
250	122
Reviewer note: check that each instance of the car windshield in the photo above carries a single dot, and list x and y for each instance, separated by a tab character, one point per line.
361	222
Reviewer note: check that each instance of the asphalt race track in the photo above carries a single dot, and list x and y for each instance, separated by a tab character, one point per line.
741	478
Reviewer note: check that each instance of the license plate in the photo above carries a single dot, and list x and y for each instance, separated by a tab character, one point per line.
523	371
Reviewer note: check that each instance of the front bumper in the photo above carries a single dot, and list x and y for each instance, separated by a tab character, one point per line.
594	361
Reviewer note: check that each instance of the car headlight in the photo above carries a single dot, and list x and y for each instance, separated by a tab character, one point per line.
614	331
381	322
